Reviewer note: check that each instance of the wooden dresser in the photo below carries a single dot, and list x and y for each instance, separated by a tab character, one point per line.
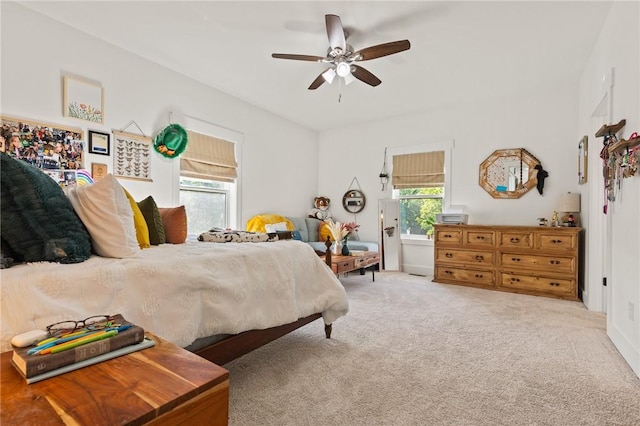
542	261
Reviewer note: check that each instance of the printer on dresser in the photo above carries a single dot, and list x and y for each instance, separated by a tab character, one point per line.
541	261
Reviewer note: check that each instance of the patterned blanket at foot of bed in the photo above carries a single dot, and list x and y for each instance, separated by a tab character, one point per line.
228	236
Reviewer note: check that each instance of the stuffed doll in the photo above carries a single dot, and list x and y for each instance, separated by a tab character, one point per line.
321	208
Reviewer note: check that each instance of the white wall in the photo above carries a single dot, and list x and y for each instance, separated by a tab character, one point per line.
543	122
615	239
279	174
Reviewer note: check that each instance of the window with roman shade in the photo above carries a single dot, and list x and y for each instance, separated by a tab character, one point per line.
418	170
207	157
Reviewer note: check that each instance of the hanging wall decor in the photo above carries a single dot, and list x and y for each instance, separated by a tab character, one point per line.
583	157
131	156
83	99
45	145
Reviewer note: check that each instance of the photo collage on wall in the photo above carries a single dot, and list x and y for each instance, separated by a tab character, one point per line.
46	146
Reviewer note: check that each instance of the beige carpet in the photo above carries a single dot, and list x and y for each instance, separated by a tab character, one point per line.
413	352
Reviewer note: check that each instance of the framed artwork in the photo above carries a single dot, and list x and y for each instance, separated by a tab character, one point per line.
45	145
83	100
99	143
132	155
98	171
583	159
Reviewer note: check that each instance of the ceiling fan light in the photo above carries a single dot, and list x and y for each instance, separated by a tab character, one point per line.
343	69
348	79
329	75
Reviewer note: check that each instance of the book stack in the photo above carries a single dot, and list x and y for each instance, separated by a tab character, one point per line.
36	365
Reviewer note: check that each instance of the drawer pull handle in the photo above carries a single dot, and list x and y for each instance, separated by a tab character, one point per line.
448	236
479	276
448	272
554	262
480	237
515	240
479	258
515	280
555	284
515	259
556	241
449	255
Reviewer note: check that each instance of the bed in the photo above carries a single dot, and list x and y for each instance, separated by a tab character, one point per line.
92	250
217	300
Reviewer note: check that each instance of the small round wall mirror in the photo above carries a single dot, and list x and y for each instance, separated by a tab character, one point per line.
353	201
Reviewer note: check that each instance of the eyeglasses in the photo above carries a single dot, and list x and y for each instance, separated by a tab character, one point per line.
95	322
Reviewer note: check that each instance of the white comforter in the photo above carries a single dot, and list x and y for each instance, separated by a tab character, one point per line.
179	292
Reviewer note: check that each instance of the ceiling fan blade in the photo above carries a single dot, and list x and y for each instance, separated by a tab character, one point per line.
384	49
335	31
365	76
298	57
318	81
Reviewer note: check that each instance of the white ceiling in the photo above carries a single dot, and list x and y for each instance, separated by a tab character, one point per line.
460	51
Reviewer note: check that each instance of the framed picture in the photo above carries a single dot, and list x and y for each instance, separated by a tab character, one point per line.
583	159
45	145
98	171
131	156
83	100
99	143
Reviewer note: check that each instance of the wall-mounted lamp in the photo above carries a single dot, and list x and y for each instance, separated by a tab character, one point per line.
384	175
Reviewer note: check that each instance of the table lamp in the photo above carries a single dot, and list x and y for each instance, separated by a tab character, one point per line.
570	204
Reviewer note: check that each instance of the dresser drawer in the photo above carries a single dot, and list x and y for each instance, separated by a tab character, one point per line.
479	238
343	265
449	236
551	241
516	239
538	262
557	286
364	261
464	256
470	276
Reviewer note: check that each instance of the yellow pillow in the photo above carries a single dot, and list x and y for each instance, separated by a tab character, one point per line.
142	230
324	232
257	223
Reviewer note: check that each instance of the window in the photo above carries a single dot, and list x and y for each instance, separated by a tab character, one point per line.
206	202
418	179
208	182
418	209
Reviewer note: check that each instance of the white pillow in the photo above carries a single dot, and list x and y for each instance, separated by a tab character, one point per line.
106	212
274	227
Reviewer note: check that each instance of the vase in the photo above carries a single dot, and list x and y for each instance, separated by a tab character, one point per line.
336	248
345	248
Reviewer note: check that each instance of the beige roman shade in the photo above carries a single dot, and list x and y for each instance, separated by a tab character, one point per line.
419	170
207	157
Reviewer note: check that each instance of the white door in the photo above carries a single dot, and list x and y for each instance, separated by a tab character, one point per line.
391	249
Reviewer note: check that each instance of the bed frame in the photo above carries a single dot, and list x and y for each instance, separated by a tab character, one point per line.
235	346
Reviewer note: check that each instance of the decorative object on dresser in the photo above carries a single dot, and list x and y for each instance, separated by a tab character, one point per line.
570	204
541	261
30	362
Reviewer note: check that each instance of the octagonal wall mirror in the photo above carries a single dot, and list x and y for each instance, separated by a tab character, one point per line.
509	173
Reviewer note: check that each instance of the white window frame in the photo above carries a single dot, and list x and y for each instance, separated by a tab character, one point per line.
235	193
447	147
226	191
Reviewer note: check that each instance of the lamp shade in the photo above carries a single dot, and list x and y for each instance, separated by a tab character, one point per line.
569	202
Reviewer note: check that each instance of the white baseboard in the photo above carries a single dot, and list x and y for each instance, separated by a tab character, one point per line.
624	346
417	269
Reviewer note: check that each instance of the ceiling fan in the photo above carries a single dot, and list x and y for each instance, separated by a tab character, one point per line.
341	56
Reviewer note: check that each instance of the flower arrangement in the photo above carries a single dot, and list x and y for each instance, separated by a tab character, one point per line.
340	231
